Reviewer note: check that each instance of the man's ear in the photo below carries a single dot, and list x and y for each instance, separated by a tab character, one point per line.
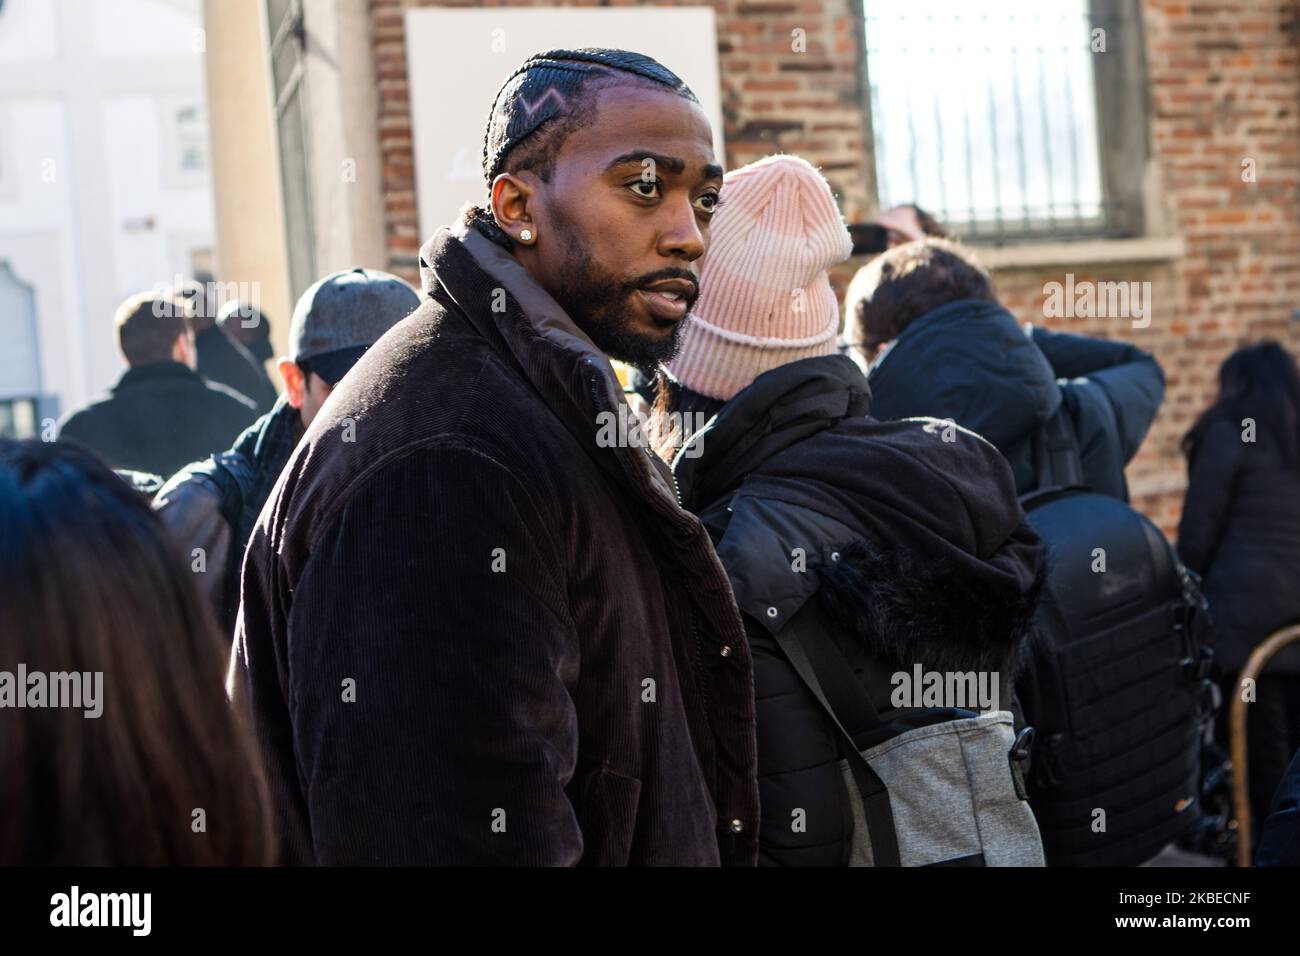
513	198
293	381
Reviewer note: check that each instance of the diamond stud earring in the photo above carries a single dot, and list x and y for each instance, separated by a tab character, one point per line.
526	235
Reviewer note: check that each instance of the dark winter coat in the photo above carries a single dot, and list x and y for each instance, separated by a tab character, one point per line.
914	547
546	658
970	361
212	504
221	359
1240	531
158	418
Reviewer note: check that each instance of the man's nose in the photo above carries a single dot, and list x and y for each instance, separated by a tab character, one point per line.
683	237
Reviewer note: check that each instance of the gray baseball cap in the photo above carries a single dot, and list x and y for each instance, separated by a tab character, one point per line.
342	315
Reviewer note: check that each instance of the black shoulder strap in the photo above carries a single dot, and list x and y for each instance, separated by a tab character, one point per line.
1057	462
823	669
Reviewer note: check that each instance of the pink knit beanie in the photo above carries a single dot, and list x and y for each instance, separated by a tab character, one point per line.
765	298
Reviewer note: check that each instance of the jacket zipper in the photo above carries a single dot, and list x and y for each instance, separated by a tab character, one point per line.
676	490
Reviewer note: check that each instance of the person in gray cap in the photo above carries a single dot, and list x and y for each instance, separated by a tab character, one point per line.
211	505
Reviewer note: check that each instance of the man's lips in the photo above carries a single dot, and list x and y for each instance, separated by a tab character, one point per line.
663	307
668	300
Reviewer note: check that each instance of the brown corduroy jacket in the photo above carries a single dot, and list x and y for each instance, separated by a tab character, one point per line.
470	633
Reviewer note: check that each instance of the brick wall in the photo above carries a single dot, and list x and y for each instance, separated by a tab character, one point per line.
1224	86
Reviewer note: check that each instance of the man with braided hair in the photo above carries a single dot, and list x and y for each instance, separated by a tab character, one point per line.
475	628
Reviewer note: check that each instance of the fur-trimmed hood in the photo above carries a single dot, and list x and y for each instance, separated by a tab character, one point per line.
908	532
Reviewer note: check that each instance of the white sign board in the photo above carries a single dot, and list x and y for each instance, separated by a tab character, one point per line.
457	59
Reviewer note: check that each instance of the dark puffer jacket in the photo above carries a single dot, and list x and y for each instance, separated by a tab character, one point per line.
970	361
910	538
1240	531
546	662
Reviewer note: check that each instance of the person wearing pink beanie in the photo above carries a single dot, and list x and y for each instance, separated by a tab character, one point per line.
765	296
871	547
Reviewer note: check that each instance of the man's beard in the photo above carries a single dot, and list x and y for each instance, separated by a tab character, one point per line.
601	306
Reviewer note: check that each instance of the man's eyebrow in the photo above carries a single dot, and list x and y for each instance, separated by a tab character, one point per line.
671	163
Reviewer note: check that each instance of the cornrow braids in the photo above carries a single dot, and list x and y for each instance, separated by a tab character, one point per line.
553	90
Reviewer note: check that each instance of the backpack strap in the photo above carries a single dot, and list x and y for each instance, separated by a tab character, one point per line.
1057	461
824	670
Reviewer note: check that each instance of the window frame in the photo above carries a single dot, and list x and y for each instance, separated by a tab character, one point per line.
289	97
1121	91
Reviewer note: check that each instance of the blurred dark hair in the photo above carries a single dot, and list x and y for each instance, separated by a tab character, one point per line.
90	582
899	286
148	326
1260	382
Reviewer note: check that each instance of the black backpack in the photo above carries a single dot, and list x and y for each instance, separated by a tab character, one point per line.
1116	682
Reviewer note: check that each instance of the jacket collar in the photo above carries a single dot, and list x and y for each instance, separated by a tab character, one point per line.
781	408
968	360
958	310
269	441
546	316
155	372
573	377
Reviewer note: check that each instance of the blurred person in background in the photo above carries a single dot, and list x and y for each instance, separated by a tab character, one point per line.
212	504
161	414
248	326
167	772
909	223
923	320
1240	530
220	357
